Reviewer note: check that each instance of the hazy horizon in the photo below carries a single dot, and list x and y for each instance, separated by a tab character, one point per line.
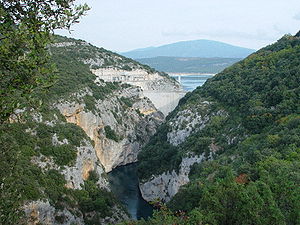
127	25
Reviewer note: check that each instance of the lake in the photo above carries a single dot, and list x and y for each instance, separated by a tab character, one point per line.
192	81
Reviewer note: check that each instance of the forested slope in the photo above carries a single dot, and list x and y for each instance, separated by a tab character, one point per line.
50	171
249	132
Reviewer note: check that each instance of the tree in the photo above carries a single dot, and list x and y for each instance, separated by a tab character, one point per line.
26	27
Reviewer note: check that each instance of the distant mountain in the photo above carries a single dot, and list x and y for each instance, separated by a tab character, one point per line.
188	64
197	48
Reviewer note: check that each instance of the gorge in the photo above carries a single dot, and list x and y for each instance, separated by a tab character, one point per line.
224	153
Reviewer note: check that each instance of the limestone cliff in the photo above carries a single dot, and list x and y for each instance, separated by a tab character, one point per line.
178	130
81	128
63	158
163	187
133	123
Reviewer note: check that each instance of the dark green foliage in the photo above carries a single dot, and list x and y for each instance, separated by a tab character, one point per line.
111	134
127	101
22	181
63	154
73	75
94	203
254	176
26	28
263	87
158	150
89	103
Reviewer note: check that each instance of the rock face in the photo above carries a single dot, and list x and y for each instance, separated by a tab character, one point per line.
40	212
182	124
163	91
76	174
191	120
166	185
133	125
117	121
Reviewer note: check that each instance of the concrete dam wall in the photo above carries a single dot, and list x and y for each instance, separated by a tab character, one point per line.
165	101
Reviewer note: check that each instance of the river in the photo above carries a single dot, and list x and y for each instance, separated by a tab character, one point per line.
124	184
124	179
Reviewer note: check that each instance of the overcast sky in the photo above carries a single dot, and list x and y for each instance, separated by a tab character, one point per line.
122	25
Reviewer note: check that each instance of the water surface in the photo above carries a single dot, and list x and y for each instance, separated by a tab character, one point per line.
191	82
124	184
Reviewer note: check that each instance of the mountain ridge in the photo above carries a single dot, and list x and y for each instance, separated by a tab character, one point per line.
188	64
194	48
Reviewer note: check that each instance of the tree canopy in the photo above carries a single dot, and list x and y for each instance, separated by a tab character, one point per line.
26	28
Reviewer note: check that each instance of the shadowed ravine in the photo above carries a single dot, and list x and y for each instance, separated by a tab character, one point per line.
124	184
124	179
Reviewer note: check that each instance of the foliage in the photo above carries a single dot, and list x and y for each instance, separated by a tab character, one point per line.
74	76
22	180
127	101
158	150
25	32
94	202
254	177
111	134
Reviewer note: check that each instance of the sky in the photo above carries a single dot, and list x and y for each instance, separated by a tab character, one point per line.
123	25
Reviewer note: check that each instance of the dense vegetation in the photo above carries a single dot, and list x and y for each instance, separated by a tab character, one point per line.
254	177
73	75
28	139
25	31
111	134
189	64
22	180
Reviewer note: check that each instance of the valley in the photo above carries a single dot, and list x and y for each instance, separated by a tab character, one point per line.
204	133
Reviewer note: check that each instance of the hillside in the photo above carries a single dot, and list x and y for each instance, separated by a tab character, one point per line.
196	48
56	151
235	143
188	64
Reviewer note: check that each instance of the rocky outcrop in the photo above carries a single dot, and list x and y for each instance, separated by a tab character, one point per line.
191	120
39	212
184	124
133	124
76	174
163	187
86	162
163	91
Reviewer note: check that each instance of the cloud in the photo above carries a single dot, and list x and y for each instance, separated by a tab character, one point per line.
297	16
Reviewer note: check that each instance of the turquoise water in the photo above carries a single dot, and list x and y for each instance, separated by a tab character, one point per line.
124	184
190	82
